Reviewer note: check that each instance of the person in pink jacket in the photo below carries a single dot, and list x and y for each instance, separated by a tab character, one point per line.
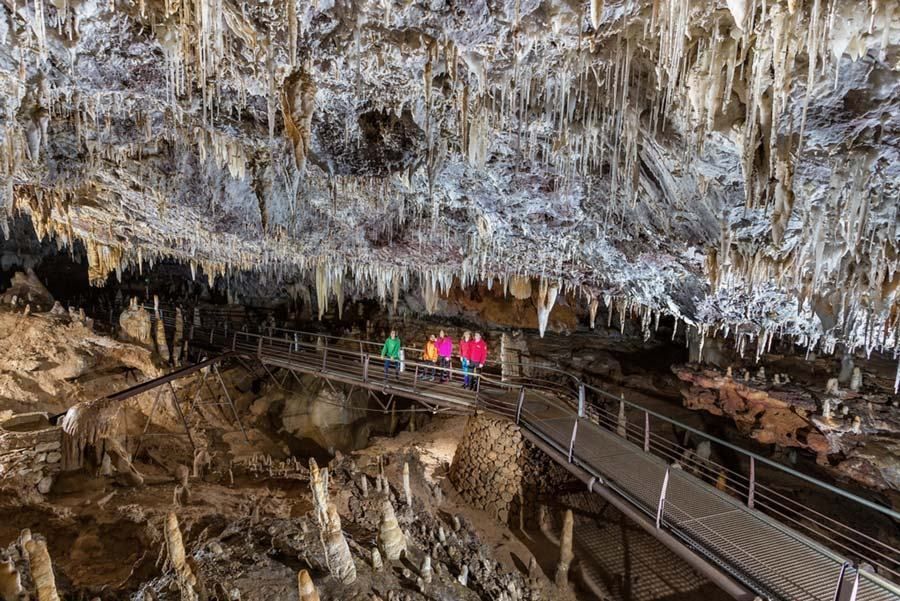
478	352
445	351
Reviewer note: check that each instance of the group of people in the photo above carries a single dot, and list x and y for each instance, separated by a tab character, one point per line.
438	355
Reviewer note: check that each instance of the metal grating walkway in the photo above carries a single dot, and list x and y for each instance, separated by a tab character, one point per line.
720	531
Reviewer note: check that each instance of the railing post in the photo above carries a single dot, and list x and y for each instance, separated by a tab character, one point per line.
572	442
519	404
580	399
361	352
646	431
325	356
366	367
840	581
234	342
662	499
751	489
855	589
259	347
416	377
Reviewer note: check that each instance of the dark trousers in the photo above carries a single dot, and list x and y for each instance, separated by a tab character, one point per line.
476	374
387	365
444	363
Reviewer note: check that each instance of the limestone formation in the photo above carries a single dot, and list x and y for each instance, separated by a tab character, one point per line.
391	540
187	581
337	551
377	563
565	551
426	571
305	587
10	581
41	570
407	491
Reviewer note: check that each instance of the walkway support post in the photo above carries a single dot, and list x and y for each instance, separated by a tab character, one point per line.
751	490
581	395
572	442
646	432
519	404
366	367
662	499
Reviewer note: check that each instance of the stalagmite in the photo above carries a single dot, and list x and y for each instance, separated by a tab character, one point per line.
319	492
178	338
377	564
856	380
565	551
41	570
337	551
426	571
622	421
187	582
364	485
391	540
463	577
407	491
10	581
305	587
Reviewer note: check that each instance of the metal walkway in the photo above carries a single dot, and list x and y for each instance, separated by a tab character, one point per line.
742	533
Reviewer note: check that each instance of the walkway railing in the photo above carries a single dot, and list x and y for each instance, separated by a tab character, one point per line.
843	560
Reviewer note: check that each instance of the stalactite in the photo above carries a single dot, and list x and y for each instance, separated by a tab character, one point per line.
545	301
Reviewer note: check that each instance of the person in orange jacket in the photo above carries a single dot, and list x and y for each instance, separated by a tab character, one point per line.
430	356
478	352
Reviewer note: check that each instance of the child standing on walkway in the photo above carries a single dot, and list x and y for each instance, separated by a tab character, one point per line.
430	356
390	352
445	352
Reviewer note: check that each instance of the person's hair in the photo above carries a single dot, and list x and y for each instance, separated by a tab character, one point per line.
478	334
432	337
467	333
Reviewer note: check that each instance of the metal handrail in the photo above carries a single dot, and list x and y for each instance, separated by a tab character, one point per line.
585	408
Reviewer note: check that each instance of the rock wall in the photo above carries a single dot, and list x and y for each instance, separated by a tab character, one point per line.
856	434
496	470
31	454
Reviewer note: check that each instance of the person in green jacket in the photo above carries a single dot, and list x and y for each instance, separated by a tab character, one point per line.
390	352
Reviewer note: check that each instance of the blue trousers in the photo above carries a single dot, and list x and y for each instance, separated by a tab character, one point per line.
465	367
387	365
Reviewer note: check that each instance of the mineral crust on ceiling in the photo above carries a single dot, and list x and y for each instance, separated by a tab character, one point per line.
731	163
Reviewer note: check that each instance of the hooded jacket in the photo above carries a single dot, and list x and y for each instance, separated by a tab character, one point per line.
465	349
430	353
391	348
478	351
445	347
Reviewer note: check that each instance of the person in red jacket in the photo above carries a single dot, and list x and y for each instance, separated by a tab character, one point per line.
478	352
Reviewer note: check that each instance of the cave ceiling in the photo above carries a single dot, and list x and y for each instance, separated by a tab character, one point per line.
730	163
